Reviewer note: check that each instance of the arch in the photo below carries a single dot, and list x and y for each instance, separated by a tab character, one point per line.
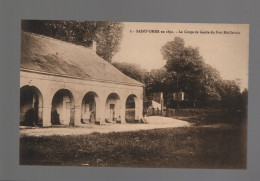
112	107
131	108
31	106
88	108
62	108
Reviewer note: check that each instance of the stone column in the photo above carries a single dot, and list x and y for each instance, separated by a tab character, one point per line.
122	114
122	109
137	109
77	115
46	118
140	108
100	110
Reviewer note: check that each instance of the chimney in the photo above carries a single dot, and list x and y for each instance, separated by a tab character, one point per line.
93	46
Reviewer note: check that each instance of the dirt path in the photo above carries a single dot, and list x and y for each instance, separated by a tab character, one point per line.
152	123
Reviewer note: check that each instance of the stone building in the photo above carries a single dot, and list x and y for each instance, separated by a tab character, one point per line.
70	84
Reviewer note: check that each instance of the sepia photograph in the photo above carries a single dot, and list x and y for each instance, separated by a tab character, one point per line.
133	94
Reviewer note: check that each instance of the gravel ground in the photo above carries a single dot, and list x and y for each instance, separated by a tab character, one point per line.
152	122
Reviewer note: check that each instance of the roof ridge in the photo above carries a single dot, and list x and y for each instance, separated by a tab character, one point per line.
55	39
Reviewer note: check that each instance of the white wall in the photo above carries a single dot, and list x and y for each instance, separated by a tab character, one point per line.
50	84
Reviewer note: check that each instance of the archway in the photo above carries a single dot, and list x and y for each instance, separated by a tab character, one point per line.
113	106
63	108
31	106
131	109
88	108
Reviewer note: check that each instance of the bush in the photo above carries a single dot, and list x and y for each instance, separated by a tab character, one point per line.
31	118
55	117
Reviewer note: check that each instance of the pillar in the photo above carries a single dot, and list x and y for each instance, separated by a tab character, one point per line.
77	115
137	109
122	114
46	109
122	109
46	118
100	110
140	108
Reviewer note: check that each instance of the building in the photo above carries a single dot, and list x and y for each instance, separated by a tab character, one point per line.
70	84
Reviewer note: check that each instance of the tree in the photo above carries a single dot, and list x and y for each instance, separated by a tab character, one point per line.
132	70
244	100
193	76
244	95
108	35
159	80
231	95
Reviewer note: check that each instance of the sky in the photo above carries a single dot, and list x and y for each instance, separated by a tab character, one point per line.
227	52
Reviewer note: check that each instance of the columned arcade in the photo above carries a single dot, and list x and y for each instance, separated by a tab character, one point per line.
74	102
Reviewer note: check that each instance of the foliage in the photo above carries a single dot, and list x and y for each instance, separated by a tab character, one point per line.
159	80
31	118
210	116
108	35
132	70
244	97
232	98
55	117
193	76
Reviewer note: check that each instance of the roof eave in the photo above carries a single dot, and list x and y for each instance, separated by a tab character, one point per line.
81	78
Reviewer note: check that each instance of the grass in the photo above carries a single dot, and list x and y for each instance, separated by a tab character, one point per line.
190	147
210	116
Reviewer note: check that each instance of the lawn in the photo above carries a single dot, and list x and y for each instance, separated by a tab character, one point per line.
185	147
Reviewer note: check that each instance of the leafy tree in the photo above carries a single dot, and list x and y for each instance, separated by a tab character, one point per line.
244	97
159	80
209	81
231	95
132	70
244	101
193	76
108	35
